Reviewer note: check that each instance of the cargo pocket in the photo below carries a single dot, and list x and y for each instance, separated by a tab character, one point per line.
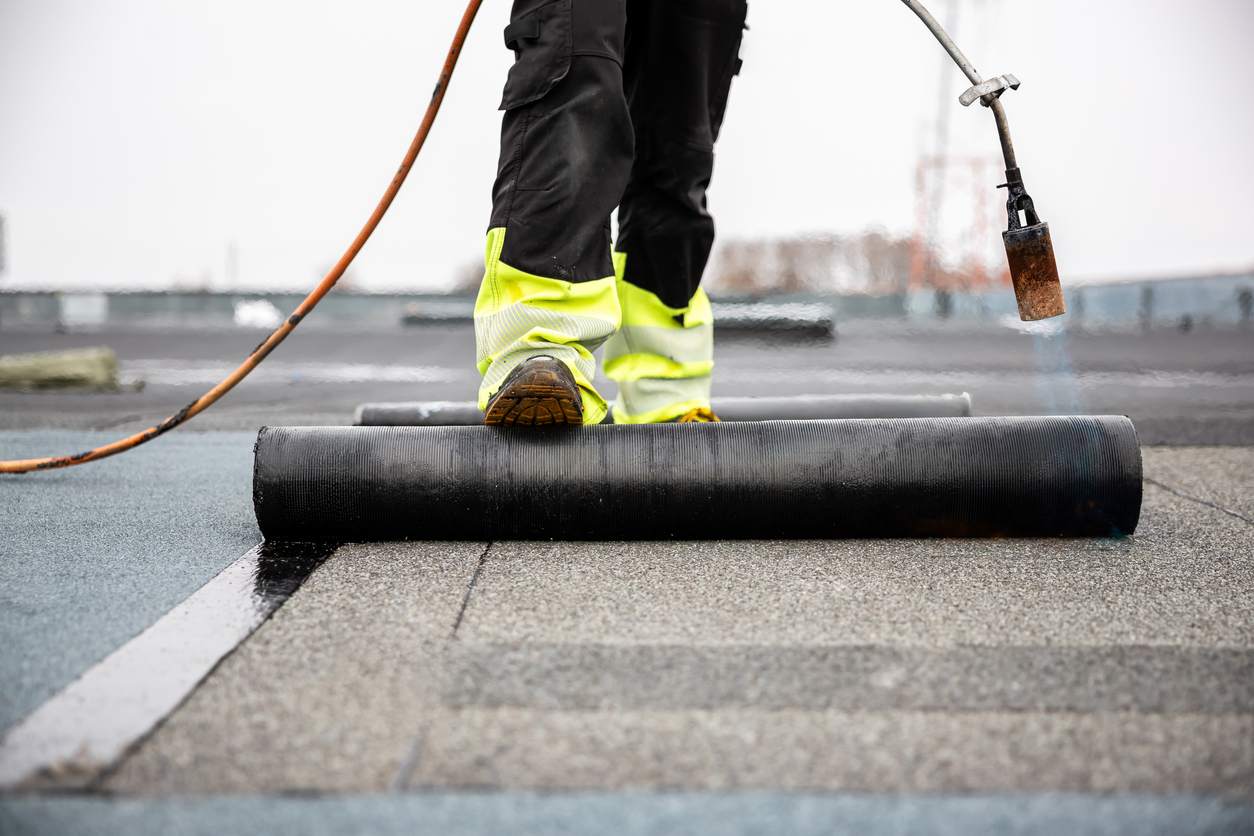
541	40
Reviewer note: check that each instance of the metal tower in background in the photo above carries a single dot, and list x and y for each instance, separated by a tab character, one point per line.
943	182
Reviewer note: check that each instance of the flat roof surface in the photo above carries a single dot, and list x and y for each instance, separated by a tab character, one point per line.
1087	685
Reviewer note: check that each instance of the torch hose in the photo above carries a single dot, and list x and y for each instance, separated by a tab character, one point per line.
302	310
972	74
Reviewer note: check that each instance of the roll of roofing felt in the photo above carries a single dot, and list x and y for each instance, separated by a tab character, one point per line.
808	320
913	477
804	407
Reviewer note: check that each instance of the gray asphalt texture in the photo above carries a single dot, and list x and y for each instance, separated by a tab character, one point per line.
93	555
1094	686
630	814
1195	388
890	666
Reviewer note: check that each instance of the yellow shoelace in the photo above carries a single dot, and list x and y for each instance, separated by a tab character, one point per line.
700	415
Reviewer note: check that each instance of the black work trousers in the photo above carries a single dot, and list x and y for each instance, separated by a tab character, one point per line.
614	103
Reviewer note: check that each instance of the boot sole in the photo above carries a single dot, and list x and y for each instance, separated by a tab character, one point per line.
538	398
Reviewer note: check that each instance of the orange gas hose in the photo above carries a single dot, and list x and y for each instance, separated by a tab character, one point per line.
302	310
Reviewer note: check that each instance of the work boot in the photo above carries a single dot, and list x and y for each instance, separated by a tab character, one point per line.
540	391
521	315
700	415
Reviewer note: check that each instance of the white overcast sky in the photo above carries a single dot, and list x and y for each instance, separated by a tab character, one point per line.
142	140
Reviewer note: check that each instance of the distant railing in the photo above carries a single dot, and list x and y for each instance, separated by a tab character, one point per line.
1199	302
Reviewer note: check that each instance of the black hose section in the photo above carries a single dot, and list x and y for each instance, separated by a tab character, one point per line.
915	477
1009	158
805	407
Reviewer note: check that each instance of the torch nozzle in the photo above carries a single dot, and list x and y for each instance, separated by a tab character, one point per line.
1030	251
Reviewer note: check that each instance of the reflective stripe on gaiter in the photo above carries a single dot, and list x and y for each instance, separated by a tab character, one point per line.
519	315
661	357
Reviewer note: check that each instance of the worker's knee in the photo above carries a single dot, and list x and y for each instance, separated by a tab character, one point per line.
670	177
578	142
565	162
567	141
567	130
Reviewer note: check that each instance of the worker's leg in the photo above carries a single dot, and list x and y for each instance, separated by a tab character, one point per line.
681	57
566	151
